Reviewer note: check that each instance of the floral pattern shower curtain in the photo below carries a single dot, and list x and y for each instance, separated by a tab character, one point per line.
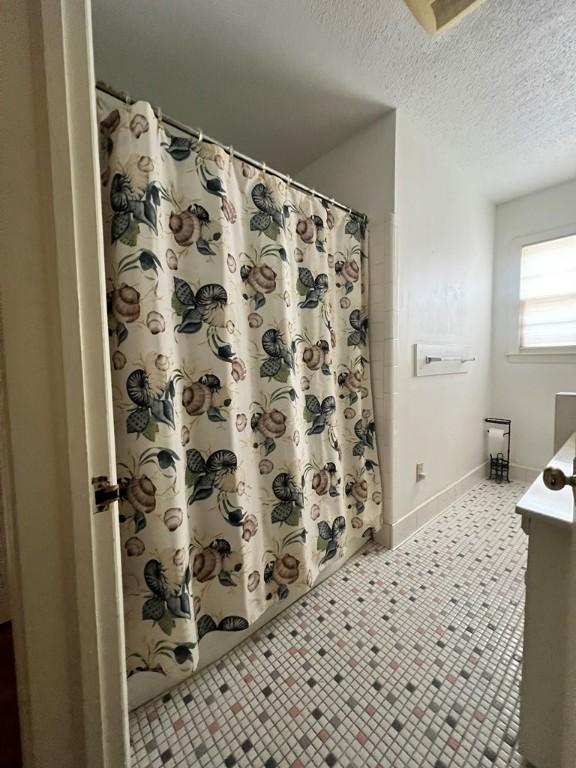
243	413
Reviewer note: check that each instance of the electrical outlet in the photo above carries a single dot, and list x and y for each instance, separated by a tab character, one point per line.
420	474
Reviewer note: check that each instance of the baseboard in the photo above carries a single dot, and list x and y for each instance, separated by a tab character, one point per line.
523	473
412	522
384	535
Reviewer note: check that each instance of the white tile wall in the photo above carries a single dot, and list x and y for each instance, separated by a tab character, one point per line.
383	316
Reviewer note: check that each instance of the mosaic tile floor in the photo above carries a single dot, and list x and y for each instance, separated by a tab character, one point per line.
402	659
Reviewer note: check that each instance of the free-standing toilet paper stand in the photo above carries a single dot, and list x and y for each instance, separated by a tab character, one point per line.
500	466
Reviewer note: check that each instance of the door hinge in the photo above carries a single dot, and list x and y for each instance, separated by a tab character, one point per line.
105	493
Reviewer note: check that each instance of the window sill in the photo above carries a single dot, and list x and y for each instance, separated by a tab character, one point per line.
542	356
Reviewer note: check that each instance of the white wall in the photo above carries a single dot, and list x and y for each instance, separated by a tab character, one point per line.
444	249
524	388
361	173
430	282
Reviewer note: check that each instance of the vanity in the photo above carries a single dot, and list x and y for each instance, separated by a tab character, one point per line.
548	694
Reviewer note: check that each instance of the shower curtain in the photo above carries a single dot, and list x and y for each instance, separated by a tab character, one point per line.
244	422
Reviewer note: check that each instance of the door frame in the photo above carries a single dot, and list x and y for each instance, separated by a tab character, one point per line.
71	99
56	70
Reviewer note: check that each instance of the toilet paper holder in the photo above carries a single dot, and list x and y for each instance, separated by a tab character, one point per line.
500	465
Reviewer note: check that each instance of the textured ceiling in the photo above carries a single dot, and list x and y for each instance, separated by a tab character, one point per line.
286	80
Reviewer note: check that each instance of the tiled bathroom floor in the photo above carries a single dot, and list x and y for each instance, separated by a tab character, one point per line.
402	659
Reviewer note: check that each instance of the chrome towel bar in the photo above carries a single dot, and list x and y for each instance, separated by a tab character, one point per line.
430	359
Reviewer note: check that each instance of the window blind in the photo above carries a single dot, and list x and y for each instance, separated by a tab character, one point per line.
548	294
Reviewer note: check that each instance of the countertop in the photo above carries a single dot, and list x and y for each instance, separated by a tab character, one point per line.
556	506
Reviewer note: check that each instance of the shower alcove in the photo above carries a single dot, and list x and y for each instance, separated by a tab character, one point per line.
365	182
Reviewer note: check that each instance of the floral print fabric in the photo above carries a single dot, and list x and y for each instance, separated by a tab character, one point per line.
243	413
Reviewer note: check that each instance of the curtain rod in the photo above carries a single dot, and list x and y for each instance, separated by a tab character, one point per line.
197	134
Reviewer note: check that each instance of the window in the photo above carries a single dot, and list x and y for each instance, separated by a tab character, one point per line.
548	294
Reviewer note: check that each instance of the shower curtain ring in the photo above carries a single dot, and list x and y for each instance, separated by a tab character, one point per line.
159	114
123	95
263	167
200	135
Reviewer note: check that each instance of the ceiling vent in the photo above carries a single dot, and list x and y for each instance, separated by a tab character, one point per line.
435	15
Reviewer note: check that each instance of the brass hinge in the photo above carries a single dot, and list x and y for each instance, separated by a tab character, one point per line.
105	493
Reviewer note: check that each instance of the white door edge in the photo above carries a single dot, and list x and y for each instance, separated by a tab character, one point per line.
70	92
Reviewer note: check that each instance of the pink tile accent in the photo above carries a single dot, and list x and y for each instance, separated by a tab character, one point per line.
453	743
360	669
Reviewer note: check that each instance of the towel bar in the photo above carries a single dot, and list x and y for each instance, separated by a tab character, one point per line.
430	359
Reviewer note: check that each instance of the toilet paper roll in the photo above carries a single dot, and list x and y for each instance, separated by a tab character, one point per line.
496	442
